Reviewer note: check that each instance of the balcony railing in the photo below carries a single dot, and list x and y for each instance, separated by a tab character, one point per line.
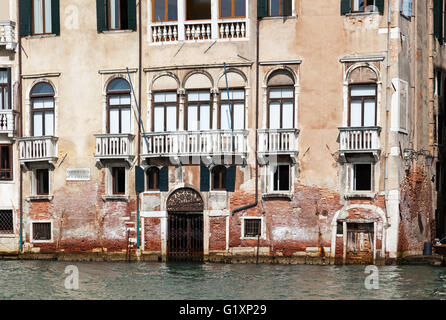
8	122
114	146
359	139
195	143
280	141
7	34
227	29
38	149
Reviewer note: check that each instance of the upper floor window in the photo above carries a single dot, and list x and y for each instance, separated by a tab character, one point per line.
232	109
39	17
198	115
406	8
358	6
164	10
42	110
281	100
6	162
232	8
280	177
153	178
218	178
116	15
279	8
362	110
5	89
119	107
165	111
198	9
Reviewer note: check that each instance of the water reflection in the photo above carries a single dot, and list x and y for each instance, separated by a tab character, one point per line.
45	280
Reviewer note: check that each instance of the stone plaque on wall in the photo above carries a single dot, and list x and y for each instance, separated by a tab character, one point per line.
78	174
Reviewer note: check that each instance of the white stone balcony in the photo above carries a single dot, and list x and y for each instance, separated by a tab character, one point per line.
8	122
114	147
203	30
195	143
359	140
275	142
7	35
38	149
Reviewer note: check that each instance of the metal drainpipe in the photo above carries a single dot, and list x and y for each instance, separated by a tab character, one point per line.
20	125
386	156
254	204
138	238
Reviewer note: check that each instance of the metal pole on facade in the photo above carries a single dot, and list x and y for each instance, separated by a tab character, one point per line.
230	108
19	95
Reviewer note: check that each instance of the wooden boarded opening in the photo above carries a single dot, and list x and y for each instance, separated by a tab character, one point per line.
360	237
185	226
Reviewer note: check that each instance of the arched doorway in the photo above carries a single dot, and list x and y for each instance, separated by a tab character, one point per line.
185	226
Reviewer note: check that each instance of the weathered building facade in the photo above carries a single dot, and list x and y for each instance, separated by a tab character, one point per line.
290	131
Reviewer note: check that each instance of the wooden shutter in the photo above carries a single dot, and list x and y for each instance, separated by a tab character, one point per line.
287	8
131	10
438	9
164	178
380	5
139	179
101	11
8	71
204	178
230	179
55	17
26	11
262	8
346	6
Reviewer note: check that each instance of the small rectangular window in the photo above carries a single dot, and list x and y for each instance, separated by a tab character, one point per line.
118	178
6	162
118	14
279	8
6	222
406	8
42	182
281	178
41	231
362	177
165	111
198	9
340	227
363	5
253	227
5	93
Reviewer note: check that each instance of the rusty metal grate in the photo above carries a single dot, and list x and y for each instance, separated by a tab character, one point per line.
41	231
185	237
6	222
252	227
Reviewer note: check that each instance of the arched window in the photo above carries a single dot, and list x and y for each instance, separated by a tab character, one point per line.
118	107
153	178
42	110
362	103
232	109
281	100
218	178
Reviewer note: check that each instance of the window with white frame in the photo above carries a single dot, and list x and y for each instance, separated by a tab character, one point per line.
232	109
406	8
198	114
6	222
42	17
280	178
165	111
42	104
41	231
118	180
252	227
362	177
362	110
5	91
41	182
118	107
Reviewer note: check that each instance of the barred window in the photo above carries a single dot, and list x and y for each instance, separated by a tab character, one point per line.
6	222
252	227
41	231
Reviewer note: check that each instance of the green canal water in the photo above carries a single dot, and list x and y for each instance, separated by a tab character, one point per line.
127	281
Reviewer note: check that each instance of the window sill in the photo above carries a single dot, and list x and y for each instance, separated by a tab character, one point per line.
8	235
117	31
253	238
39	198
40	36
280	17
405	17
277	195
360	14
7	181
116	198
360	195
